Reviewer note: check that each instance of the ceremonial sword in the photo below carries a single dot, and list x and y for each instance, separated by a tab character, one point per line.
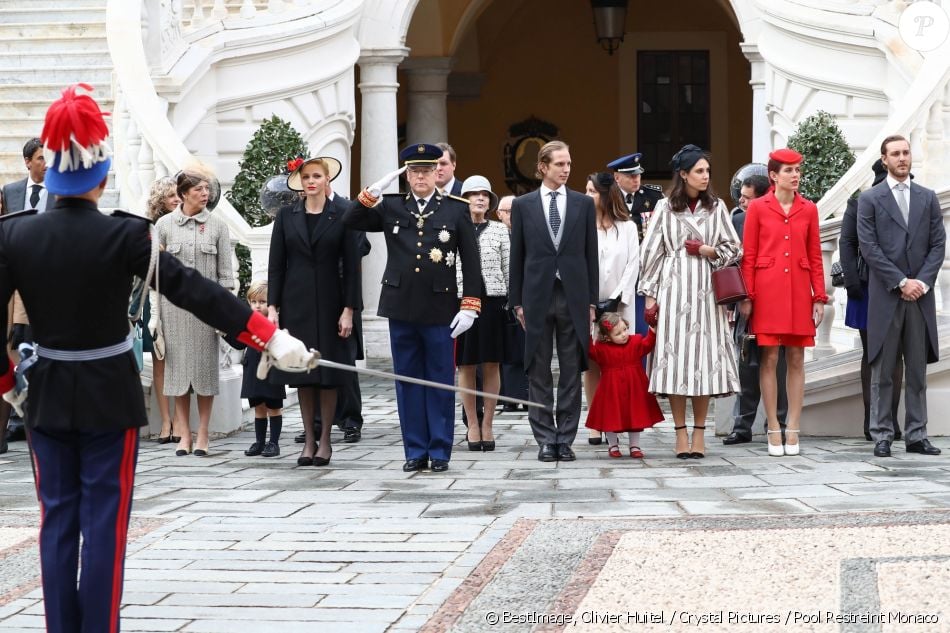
329	364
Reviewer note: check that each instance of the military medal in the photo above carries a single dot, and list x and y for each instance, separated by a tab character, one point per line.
435	255
444	236
450	259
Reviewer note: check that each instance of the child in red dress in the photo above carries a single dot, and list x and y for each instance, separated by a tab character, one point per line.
622	402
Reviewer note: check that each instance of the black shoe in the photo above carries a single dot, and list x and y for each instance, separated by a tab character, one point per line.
352	435
164	440
882	449
696	455
200	452
304	461
475	447
898	436
564	453
413	465
488	445
924	447
256	449
509	407
547	453
596	441
736	438
439	465
322	461
300	439
16	434
271	449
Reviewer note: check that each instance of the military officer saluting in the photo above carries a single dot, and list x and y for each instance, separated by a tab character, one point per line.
426	233
640	198
74	267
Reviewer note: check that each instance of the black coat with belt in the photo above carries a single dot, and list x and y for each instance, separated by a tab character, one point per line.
310	279
74	267
419	281
535	263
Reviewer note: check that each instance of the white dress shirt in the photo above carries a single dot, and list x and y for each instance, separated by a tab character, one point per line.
41	205
561	204
892	185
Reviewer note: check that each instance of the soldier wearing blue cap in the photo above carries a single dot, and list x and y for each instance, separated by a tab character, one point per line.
640	198
426	233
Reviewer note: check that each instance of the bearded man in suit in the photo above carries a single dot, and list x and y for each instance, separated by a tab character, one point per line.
902	239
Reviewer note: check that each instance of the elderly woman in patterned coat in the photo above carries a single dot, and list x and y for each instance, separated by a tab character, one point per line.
201	241
689	236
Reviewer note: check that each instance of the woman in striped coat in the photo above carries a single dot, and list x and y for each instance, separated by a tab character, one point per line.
690	235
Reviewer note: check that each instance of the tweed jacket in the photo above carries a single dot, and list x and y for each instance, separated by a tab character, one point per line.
494	248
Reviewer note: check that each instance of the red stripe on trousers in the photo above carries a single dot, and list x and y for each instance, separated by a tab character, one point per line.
126	479
39	500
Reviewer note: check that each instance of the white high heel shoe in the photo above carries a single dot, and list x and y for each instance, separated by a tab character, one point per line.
791	449
775	450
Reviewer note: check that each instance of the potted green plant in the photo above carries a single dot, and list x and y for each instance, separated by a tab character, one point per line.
827	155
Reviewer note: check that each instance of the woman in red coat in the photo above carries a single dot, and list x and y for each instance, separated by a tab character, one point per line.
784	275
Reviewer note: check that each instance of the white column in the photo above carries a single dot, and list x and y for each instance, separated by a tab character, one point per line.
761	142
379	155
427	120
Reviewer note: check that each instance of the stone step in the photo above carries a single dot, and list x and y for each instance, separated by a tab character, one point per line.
64	74
26	11
49	92
24	127
85	28
54	58
50	5
68	42
24	108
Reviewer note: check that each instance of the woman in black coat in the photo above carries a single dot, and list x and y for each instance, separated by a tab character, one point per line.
313	290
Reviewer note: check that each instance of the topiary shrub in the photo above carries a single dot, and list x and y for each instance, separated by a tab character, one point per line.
272	145
827	155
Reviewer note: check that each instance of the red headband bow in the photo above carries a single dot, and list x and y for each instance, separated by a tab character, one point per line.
607	325
294	164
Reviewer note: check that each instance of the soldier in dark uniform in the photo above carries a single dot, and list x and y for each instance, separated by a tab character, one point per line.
74	267
425	232
641	199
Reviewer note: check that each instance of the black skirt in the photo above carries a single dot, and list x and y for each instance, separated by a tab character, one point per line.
485	341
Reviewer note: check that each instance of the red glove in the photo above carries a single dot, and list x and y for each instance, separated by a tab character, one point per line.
652	315
692	246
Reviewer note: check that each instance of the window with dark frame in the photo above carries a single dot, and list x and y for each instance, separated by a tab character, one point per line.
672	106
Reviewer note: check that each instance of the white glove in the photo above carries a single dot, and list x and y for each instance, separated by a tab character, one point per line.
463	321
16	400
383	183
286	353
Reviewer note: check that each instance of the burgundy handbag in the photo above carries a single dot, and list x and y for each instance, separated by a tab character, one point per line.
728	285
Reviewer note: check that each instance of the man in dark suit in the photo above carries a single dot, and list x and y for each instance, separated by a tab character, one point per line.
445	178
747	400
902	239
29	193
553	289
426	232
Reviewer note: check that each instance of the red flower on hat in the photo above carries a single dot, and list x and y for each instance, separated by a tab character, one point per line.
294	164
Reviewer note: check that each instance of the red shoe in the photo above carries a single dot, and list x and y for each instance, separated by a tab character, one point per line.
614	451
635	452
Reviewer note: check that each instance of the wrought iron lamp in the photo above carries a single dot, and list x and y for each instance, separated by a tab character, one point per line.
610	18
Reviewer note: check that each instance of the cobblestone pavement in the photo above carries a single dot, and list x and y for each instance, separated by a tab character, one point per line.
234	544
